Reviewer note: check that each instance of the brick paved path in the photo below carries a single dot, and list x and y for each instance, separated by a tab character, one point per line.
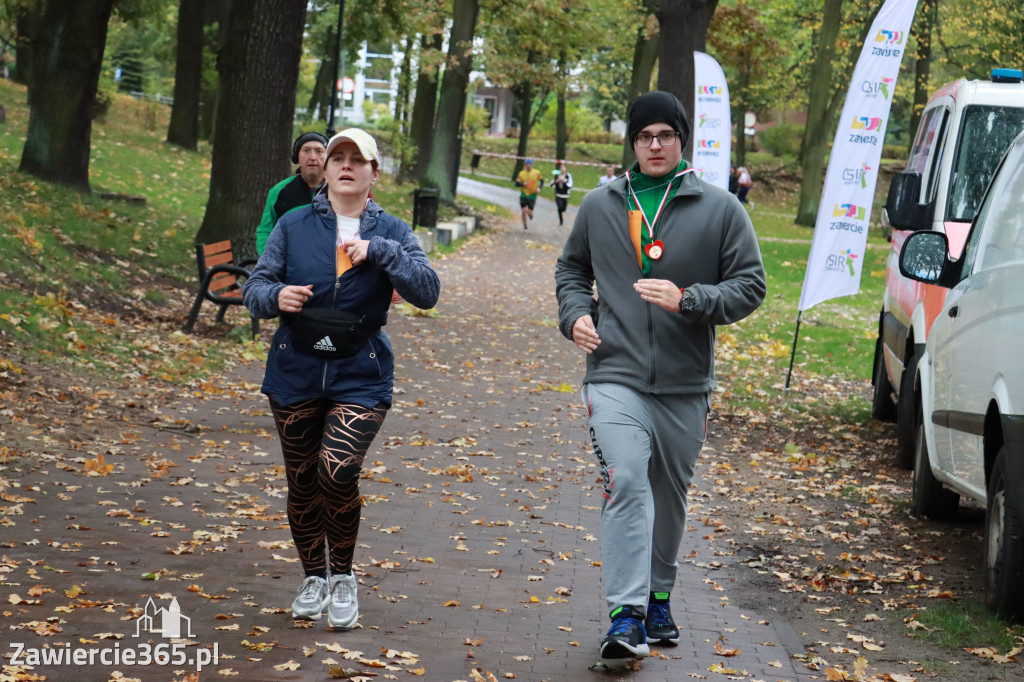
479	538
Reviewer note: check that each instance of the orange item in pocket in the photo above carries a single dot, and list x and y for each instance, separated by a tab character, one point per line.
344	262
635	226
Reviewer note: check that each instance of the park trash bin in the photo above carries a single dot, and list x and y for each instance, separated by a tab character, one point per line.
474	163
424	207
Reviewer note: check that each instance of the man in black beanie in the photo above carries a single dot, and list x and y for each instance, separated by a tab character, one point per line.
673	258
298	190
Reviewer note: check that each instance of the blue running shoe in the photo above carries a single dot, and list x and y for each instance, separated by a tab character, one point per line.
660	627
626	639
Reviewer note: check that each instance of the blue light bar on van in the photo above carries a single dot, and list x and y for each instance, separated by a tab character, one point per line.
1007	75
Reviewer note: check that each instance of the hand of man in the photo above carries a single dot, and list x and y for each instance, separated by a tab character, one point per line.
584	335
293	297
660	292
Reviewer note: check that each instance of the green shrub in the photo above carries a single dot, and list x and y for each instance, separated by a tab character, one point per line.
476	121
104	98
894	151
600	137
781	139
579	122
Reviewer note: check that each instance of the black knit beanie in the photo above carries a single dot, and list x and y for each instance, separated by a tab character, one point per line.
302	139
657	107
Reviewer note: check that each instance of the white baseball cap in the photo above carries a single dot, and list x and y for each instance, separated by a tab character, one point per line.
362	139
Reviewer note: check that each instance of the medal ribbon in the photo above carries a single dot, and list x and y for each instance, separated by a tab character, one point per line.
651	223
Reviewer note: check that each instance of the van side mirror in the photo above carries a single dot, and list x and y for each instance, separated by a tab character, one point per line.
925	258
901	205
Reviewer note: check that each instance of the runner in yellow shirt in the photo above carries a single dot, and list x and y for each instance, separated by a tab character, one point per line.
530	181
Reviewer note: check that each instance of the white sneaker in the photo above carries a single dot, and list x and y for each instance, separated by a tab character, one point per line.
313	596
343	602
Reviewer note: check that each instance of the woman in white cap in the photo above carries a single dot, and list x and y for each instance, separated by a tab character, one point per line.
329	271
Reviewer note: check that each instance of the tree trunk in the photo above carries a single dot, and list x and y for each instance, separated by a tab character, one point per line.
687	22
25	22
404	84
842	80
645	55
812	148
421	127
524	105
216	13
443	171
928	12
525	94
561	130
743	83
320	99
188	74
259	71
66	61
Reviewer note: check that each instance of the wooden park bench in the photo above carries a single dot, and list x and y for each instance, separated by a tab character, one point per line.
220	281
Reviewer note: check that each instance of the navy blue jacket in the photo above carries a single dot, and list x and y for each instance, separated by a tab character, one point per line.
301	250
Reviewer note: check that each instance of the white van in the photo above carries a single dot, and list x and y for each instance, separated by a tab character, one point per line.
970	419
965	129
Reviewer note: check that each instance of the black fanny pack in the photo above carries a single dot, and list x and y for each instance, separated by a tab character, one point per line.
329	333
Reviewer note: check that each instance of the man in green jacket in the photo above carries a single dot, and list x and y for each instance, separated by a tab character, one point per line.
672	257
295	191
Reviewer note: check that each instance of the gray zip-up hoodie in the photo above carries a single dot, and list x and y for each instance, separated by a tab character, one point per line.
710	250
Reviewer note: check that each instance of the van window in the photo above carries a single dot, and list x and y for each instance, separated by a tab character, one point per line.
931	179
985	134
1001	240
925	139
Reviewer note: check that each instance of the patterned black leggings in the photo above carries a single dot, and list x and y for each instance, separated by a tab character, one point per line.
324	444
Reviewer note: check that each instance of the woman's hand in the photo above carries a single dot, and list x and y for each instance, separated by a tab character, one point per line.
357	252
660	292
293	297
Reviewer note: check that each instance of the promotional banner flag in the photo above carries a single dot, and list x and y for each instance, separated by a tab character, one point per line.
712	127
841	231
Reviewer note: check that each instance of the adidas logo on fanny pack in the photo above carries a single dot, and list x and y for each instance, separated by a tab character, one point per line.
325	344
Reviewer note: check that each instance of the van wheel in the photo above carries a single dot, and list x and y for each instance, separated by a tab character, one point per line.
906	428
930	498
883	408
1004	546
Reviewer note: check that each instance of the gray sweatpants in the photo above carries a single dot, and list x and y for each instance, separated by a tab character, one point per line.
647	447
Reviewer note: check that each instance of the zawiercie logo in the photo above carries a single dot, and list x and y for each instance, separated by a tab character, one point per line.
167	621
848	211
866	123
889	37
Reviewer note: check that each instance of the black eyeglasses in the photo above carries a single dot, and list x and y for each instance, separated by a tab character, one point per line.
666	139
